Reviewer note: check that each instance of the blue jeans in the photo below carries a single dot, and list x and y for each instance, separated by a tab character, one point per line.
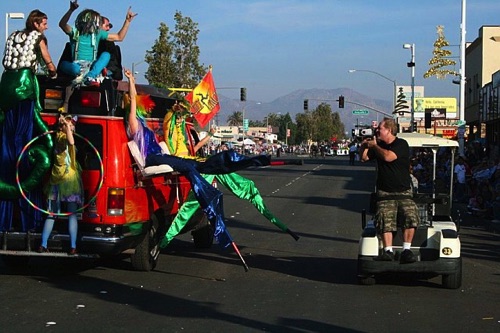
74	68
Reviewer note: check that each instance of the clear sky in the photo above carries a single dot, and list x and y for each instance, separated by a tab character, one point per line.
273	47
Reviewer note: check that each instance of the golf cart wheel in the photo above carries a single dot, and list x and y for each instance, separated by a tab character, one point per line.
366	280
453	281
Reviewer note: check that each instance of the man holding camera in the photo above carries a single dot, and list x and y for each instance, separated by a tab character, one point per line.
394	194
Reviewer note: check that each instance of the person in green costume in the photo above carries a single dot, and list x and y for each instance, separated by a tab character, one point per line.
20	121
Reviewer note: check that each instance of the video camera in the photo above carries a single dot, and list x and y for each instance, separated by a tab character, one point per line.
361	133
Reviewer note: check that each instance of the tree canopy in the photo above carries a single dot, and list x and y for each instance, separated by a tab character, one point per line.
235	119
174	57
320	124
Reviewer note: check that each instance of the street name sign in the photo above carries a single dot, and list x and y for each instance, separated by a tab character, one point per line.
360	112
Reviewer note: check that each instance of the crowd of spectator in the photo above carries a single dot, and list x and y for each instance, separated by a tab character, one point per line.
476	174
476	177
275	149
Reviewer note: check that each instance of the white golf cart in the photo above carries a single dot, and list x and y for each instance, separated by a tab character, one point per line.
436	243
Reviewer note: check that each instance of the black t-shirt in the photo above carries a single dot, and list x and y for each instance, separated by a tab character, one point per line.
394	176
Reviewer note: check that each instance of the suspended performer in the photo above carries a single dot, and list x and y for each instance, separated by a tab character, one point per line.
209	198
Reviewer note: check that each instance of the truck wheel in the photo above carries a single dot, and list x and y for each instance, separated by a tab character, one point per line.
453	281
146	253
203	235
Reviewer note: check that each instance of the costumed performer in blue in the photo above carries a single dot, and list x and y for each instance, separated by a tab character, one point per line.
209	198
20	121
86	64
84	38
182	140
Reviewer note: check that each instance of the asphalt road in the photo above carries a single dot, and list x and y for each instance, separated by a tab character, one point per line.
307	285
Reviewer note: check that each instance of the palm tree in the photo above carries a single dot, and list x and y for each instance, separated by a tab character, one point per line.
236	119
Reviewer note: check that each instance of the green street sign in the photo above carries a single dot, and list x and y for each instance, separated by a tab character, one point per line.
360	112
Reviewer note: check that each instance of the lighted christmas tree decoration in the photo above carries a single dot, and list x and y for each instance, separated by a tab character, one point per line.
440	58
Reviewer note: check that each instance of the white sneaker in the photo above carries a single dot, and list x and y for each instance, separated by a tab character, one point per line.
78	80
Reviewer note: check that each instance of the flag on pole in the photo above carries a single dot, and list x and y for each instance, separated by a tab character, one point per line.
204	101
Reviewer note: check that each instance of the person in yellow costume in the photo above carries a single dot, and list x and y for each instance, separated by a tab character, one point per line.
65	182
183	141
180	135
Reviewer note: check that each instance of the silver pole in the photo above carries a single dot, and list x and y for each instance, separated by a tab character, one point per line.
412	88
462	64
463	79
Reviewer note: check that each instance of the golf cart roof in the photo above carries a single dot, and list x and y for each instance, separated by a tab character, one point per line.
426	140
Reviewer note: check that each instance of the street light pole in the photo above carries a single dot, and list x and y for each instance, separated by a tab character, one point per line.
135	64
385	77
412	65
8	16
462	77
462	63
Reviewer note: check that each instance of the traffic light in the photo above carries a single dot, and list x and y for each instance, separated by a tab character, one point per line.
306	104
341	102
243	94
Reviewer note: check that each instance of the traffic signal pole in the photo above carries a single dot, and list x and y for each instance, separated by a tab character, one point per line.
243	98
371	108
355	103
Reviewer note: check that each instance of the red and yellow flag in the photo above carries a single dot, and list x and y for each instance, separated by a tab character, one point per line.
204	101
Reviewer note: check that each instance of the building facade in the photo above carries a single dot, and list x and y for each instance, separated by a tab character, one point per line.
482	88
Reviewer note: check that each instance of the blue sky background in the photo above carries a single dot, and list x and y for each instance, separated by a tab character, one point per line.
274	47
